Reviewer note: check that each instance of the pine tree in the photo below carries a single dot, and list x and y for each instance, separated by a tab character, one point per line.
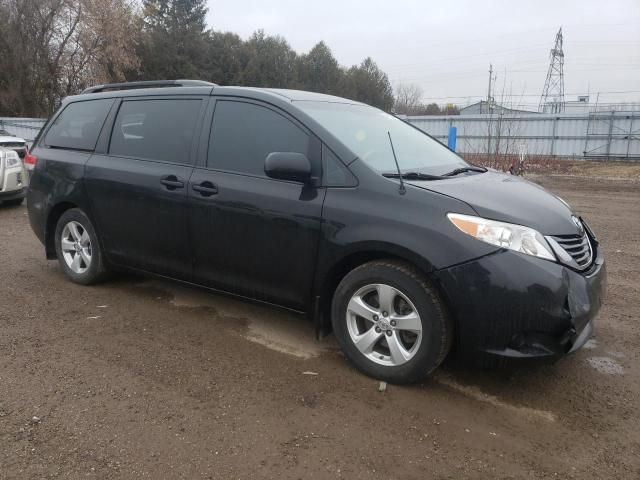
271	62
368	84
318	71
173	42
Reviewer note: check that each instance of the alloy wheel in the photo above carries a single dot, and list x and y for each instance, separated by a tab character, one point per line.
384	325
76	247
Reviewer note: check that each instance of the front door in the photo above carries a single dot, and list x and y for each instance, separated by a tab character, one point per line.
253	235
139	188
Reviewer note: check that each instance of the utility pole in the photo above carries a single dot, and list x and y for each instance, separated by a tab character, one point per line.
489	90
489	99
552	98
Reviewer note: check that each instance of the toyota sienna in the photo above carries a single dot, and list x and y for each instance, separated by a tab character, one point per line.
321	205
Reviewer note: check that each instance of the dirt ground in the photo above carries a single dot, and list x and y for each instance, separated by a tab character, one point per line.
140	378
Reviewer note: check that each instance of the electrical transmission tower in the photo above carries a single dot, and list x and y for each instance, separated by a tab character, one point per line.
552	100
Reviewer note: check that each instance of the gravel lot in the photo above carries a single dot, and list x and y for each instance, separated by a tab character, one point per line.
140	378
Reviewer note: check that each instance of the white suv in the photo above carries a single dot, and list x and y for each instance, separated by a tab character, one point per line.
19	145
13	178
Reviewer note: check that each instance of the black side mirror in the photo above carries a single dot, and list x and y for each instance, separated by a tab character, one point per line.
288	166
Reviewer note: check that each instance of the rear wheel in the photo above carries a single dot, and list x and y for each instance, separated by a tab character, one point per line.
78	249
390	322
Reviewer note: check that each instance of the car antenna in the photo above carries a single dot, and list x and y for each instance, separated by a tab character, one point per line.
393	150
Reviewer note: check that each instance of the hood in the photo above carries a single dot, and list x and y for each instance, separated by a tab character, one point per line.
6	139
507	198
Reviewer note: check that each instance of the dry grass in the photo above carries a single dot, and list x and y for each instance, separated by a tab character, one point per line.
549	165
607	169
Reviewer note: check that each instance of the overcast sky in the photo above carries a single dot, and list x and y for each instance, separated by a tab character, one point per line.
446	46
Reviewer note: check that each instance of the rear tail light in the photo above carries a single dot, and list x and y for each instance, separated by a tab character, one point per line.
30	159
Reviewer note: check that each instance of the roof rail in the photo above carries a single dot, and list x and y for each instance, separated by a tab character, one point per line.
147	84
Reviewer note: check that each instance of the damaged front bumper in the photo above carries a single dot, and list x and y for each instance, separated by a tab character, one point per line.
510	306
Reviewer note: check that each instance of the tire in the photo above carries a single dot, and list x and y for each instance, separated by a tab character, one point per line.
78	248
425	341
13	203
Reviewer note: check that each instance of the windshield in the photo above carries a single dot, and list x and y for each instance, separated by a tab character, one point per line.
365	130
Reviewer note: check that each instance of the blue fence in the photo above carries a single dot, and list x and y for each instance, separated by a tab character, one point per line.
597	135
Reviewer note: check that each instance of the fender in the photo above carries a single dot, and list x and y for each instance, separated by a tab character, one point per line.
363	224
57	187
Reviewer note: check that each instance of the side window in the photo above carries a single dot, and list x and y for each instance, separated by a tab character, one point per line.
243	134
334	173
155	129
79	125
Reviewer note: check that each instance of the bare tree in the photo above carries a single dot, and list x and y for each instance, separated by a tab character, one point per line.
29	41
501	146
100	48
52	48
408	99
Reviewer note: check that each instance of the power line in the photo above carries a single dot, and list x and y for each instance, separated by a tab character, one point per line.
579	61
510	95
629	63
446	76
493	53
392	47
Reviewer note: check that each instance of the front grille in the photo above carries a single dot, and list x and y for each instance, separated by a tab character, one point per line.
579	248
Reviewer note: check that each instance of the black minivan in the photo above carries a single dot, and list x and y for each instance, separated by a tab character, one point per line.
321	205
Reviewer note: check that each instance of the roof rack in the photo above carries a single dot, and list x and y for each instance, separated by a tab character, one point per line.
147	84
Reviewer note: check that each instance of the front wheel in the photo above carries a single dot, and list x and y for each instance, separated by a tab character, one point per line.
390	322
78	249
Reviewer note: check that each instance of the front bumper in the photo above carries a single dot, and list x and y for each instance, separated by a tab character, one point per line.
13	195
510	306
13	183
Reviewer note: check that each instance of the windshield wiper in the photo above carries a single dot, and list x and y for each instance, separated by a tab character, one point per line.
427	176
460	170
413	176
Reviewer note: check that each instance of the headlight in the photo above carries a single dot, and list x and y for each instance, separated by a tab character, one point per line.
12	159
504	235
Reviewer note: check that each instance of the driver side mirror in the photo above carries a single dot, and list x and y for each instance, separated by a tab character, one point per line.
288	166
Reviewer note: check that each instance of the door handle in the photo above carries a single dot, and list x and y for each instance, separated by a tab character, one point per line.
206	189
171	182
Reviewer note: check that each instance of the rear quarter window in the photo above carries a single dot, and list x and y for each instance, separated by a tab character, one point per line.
79	125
